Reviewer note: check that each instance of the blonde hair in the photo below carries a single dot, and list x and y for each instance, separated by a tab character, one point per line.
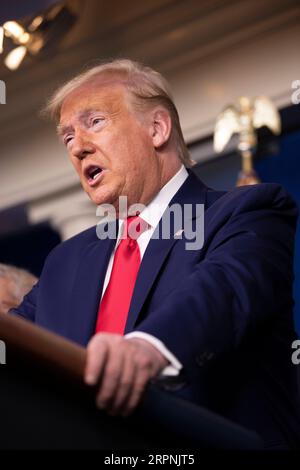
147	87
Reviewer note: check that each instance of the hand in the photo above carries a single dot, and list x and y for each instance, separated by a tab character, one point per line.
123	368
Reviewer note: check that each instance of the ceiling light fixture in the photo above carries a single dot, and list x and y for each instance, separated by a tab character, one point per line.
13	30
43	30
15	57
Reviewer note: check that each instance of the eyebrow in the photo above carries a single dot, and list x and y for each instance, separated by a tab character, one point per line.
62	130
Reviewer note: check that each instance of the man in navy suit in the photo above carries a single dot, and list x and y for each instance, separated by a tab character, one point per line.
209	305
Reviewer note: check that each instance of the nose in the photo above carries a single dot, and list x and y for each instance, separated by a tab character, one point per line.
82	146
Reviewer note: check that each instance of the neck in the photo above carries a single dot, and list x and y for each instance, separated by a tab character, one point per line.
170	165
167	167
169	173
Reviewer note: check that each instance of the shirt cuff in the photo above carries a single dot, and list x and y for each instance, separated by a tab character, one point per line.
174	367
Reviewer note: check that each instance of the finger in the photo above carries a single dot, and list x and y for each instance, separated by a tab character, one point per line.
136	394
97	352
125	387
144	372
111	376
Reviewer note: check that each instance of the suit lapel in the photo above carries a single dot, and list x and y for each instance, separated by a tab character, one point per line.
191	192
87	289
152	262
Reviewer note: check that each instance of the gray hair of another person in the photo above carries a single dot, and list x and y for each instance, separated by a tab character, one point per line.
22	280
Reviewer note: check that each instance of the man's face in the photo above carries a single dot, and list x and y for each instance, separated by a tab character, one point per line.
6	298
110	148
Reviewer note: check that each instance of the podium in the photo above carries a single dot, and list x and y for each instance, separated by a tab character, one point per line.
44	404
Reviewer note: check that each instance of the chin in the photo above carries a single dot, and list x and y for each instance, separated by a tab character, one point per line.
102	196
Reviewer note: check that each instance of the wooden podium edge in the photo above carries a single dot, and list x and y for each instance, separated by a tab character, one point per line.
173	414
44	346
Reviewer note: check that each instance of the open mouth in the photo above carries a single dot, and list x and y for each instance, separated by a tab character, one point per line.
92	173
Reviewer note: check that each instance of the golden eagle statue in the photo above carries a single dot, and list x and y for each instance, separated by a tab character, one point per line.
244	118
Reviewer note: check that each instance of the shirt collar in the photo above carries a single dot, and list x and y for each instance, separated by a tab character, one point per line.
154	211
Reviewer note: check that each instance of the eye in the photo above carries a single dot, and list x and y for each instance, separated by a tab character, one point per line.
68	139
96	121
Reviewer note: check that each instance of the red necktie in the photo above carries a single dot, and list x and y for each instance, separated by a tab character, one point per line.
114	306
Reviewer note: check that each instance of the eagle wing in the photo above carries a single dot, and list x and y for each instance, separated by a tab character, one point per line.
226	125
266	114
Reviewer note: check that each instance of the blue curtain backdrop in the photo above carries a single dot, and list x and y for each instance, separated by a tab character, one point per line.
284	168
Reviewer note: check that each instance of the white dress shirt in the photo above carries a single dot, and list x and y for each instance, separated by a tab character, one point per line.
152	215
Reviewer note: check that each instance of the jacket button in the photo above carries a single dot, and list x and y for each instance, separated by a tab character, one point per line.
170	383
203	358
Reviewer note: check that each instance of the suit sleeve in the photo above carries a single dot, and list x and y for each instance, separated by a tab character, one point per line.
28	306
243	281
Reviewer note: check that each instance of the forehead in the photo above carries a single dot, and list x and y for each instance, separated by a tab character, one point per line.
108	98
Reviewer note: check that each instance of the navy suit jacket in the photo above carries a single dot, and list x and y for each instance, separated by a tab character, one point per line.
224	310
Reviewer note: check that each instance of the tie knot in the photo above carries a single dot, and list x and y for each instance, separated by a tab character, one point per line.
134	227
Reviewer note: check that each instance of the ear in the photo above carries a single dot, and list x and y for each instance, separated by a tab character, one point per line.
161	127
